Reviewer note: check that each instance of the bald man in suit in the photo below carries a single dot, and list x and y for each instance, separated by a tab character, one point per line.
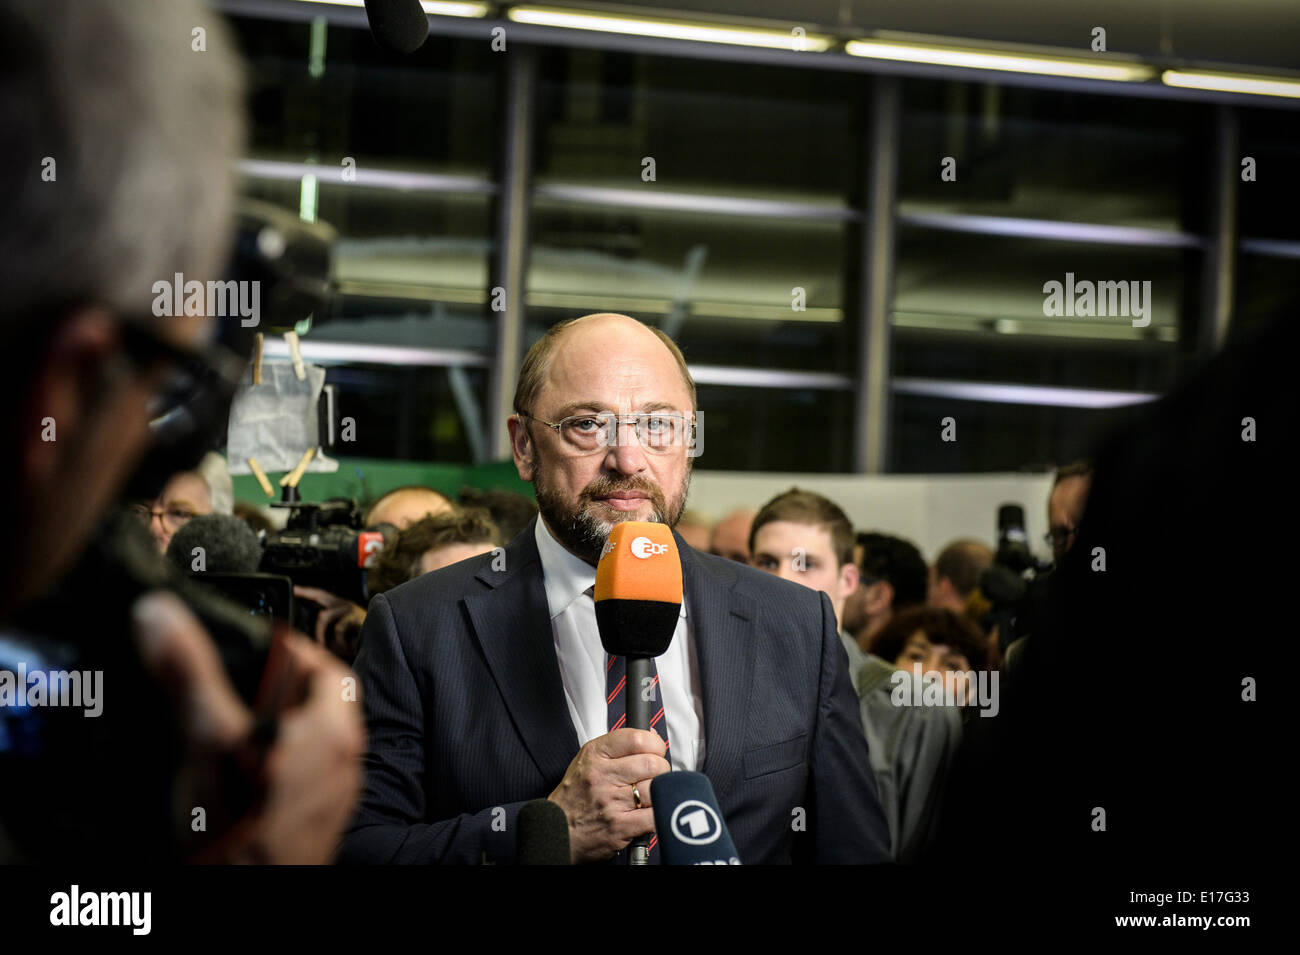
484	682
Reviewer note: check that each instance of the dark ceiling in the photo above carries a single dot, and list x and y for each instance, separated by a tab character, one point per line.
1256	33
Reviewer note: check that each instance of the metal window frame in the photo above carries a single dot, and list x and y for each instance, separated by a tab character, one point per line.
879	221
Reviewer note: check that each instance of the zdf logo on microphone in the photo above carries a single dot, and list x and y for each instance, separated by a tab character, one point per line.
644	547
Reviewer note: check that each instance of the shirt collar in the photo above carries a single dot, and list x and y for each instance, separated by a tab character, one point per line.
566	577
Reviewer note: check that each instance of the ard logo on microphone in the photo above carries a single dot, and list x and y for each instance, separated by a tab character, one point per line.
644	547
695	823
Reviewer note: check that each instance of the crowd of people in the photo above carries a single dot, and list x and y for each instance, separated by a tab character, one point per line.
904	623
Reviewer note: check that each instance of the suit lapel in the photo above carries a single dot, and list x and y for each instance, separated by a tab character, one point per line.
720	621
513	625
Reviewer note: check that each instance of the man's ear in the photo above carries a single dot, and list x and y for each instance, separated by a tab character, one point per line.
58	400
849	577
521	447
880	597
947	591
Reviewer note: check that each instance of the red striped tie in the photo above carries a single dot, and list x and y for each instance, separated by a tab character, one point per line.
616	702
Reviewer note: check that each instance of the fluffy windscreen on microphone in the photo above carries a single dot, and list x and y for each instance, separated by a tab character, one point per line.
638	589
688	821
399	26
229	545
543	834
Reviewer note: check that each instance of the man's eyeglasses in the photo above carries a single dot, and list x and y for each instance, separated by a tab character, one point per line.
184	368
173	518
658	432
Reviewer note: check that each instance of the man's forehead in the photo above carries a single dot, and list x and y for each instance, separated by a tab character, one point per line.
413	497
184	484
798	534
638	378
1073	485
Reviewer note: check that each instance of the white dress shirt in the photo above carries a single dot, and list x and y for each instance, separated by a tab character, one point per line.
583	659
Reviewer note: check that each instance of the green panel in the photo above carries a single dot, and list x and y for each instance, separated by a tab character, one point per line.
367	478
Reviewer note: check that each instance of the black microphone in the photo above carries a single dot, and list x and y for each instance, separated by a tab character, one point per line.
638	602
399	26
543	834
229	545
689	823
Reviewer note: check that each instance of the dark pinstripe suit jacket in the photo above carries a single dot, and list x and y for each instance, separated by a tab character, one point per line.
467	718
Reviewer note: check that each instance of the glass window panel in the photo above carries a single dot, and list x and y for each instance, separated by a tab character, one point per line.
1268	289
405	412
993	437
972	307
1272	138
1051	154
1148	367
412	268
738	308
339	95
775	429
723	128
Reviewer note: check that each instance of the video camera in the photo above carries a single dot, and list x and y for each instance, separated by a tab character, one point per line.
1016	582
324	545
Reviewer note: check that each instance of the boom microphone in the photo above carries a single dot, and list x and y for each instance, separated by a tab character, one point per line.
688	821
543	834
638	597
399	26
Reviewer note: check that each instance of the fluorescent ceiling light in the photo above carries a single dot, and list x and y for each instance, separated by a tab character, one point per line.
1231	83
368	353
668	29
1095	69
438	8
1020	394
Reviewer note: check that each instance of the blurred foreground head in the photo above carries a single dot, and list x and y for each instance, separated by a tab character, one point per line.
121	121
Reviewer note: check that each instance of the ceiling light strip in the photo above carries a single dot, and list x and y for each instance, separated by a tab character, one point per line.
1253	84
437	8
1019	394
1095	69
1049	229
650	198
355	353
670	29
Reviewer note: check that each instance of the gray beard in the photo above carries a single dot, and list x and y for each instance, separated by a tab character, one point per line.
582	533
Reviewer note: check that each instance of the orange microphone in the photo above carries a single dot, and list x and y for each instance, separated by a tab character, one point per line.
638	592
638	602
